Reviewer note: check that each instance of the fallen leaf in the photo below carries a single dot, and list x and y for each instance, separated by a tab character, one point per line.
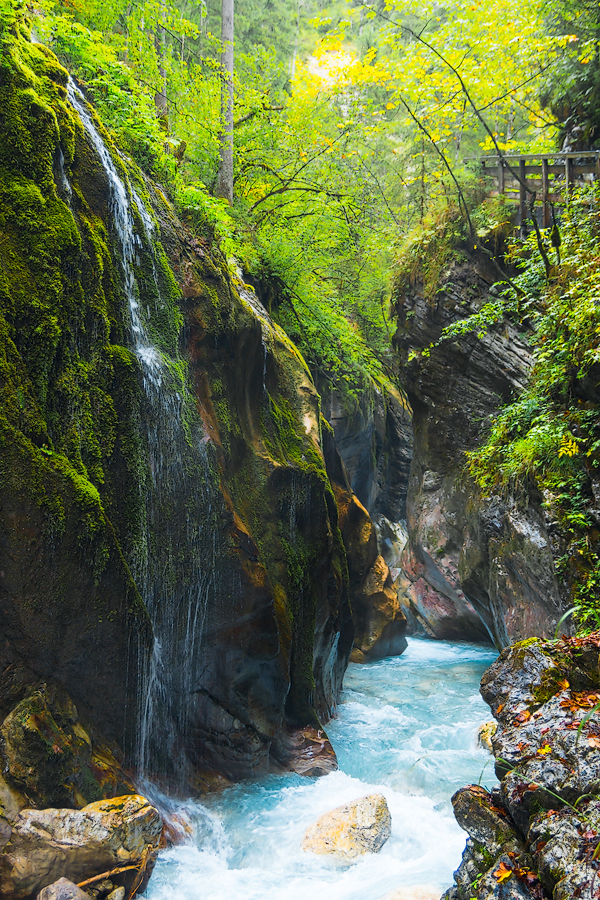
563	685
522	717
594	740
502	873
543	751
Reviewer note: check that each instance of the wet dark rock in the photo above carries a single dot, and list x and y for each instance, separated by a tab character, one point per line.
564	843
484	821
51	758
379	620
541	829
478	569
373	435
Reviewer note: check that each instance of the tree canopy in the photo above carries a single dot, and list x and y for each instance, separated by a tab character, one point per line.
352	124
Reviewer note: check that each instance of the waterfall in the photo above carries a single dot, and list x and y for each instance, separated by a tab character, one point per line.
175	565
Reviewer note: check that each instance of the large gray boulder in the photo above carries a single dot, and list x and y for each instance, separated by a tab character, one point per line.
63	889
48	844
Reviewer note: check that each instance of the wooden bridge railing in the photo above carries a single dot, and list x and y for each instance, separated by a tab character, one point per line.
550	175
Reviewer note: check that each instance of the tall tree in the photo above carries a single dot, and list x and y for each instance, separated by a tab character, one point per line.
225	175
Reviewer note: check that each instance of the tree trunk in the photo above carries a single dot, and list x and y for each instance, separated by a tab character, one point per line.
225	176
160	97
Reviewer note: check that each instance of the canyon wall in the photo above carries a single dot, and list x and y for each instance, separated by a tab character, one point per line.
475	567
173	578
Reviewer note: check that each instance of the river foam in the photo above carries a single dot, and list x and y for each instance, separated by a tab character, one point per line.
406	727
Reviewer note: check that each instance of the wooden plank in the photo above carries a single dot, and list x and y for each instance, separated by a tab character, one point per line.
581	169
572	154
500	177
515	198
534	184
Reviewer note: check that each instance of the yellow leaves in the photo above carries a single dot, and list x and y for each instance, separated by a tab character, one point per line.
502	873
568	446
544	751
390	105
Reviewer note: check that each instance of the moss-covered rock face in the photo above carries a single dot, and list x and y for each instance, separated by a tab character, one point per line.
198	511
69	609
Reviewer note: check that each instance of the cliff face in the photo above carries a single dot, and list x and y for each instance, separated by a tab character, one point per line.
474	568
374	439
169	545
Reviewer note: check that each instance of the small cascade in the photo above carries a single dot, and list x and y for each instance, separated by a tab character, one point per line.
65	184
175	564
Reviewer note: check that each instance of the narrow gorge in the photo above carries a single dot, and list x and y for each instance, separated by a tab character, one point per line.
259	545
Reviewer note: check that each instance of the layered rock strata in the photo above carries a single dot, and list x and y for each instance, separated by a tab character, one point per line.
477	569
538	834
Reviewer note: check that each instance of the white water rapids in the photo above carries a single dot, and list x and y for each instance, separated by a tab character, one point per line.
407	728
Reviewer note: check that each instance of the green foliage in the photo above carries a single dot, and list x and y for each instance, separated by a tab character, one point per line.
550	435
572	88
349	131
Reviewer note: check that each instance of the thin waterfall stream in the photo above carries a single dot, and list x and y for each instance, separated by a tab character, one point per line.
407	728
179	497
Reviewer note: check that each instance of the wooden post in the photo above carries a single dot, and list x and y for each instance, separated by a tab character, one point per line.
568	170
500	177
522	197
546	205
598	165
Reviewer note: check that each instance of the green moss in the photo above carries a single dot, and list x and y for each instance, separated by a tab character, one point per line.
528	642
550	684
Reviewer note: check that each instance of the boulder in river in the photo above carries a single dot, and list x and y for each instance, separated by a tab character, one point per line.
352	830
48	844
63	889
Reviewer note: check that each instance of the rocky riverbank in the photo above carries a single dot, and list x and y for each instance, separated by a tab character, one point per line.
538	834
